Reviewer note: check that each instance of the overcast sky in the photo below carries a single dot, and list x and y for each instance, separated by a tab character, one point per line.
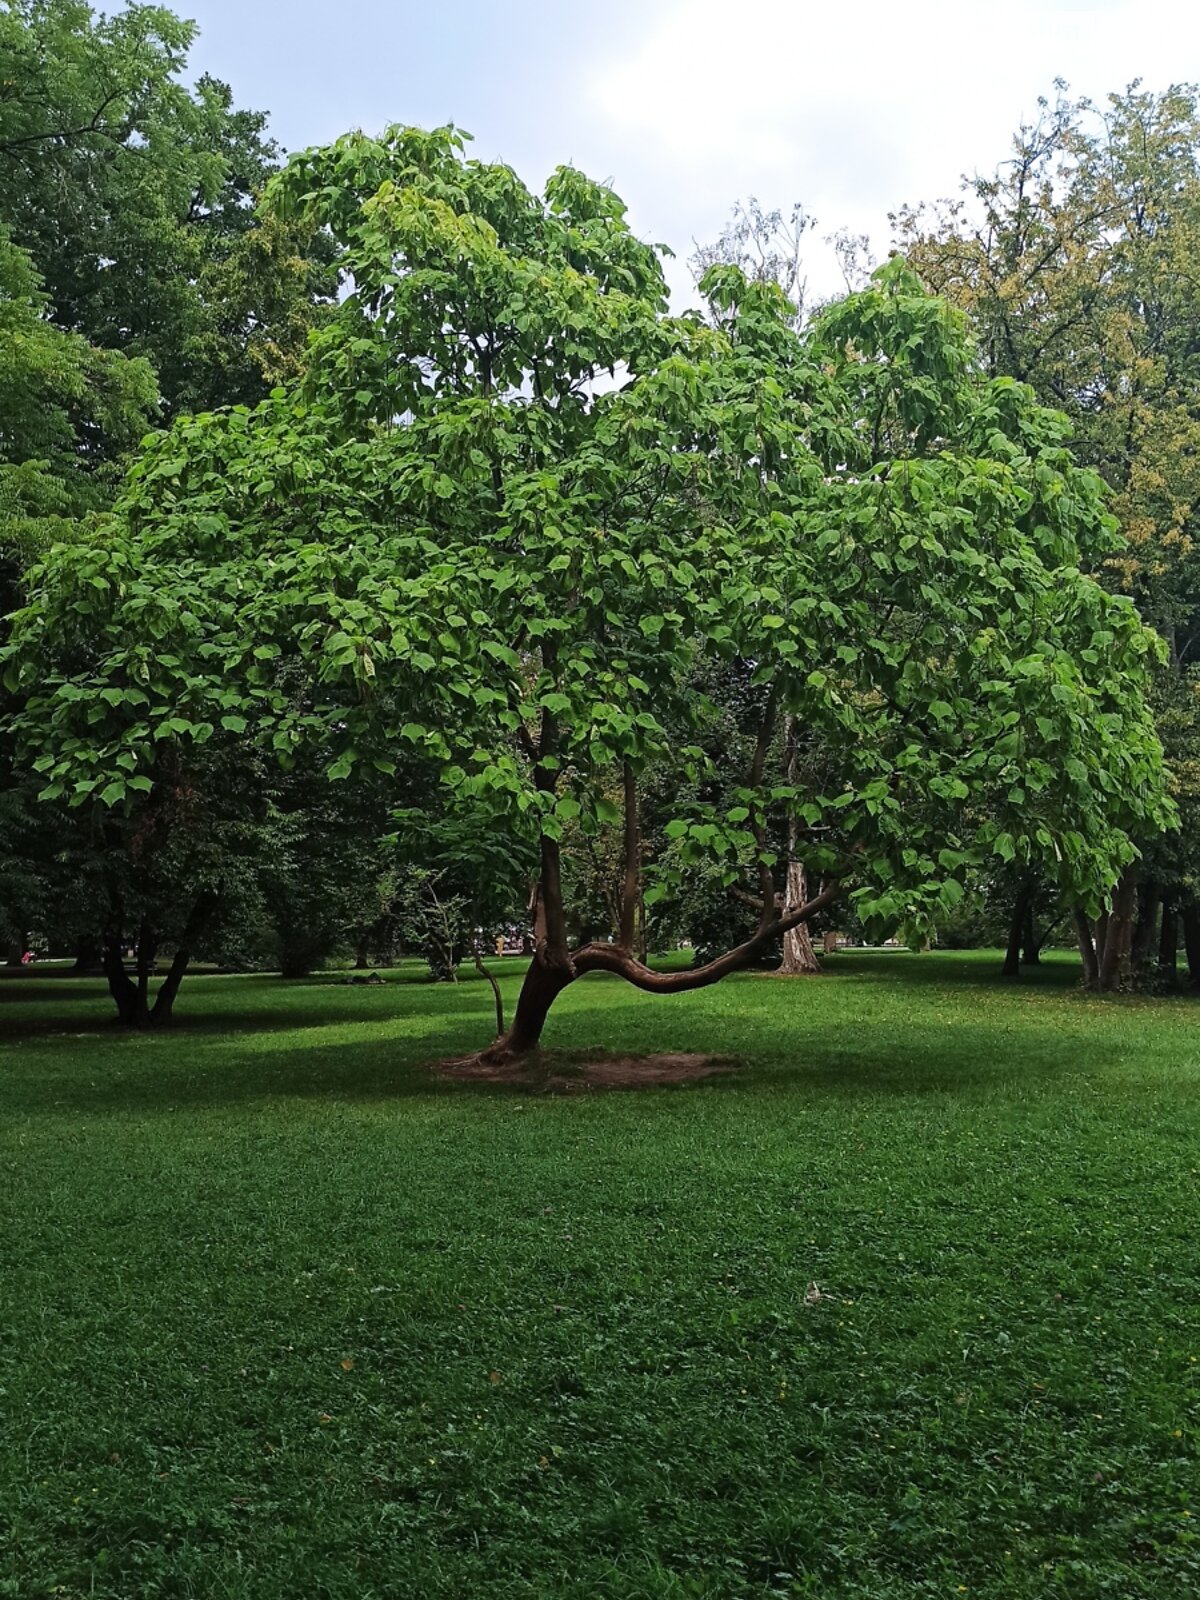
688	105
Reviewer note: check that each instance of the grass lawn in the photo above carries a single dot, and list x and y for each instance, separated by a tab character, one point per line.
281	1317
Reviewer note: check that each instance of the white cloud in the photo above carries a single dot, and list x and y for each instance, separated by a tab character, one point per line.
850	109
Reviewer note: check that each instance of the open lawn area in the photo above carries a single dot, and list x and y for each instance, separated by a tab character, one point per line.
285	1316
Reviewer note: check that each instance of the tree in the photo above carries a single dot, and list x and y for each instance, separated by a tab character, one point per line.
133	195
455	539
66	409
1075	259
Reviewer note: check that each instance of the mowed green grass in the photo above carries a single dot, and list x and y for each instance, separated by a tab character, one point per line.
283	1317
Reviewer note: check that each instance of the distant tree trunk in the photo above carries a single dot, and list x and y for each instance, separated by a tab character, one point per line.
1031	949
1116	962
201	915
89	956
1168	944
799	957
1017	927
16	950
300	952
132	1000
1101	931
130	1004
1149	897
360	956
147	953
1191	944
1087	950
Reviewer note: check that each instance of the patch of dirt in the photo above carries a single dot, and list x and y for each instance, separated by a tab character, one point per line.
552	1073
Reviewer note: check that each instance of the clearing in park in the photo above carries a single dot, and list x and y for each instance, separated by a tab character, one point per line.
903	1305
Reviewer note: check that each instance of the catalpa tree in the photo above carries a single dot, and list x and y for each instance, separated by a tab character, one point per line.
515	516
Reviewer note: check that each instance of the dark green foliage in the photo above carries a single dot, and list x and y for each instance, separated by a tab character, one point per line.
134	195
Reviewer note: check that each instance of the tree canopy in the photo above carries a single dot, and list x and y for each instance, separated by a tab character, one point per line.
1074	260
133	194
514	503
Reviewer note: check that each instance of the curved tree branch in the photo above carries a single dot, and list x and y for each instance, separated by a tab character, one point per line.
611	958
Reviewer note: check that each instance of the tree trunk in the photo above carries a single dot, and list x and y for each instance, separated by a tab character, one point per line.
1168	944
1101	932
1149	898
132	1000
1016	932
543	984
16	950
799	957
1087	950
1116	962
1191	944
89	957
497	997
1031	949
198	920
147	955
128	999
547	978
360	956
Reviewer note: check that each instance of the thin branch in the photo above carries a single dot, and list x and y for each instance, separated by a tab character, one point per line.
766	880
496	995
7	146
633	862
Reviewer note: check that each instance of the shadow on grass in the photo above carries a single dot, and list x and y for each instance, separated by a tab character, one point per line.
30	1006
291	1003
877	1059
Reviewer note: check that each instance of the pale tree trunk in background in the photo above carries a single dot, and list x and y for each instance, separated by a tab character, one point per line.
799	957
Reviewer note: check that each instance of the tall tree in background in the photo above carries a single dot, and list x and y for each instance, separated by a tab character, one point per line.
1076	260
67	411
766	246
133	195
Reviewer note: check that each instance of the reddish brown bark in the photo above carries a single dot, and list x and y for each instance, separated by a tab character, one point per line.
546	979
